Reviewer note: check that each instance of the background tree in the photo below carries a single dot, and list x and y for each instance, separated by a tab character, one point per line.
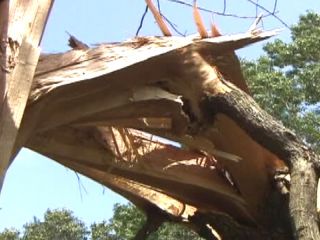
57	224
174	231
9	234
286	81
102	231
126	222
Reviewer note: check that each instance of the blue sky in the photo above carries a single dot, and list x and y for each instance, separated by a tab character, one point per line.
35	183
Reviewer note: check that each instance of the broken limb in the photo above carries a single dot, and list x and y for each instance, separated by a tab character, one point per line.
163	27
155	218
198	20
272	135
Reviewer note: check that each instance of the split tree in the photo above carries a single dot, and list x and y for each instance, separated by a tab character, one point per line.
96	110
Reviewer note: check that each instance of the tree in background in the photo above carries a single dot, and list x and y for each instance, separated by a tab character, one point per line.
9	234
286	81
100	231
126	222
174	231
57	224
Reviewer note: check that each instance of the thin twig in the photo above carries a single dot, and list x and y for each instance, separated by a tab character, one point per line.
158	4
275	6
142	19
224	6
269	12
80	186
216	12
172	25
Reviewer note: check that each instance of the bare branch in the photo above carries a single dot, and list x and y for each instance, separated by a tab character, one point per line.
80	185
142	19
275	6
273	13
172	25
215	12
224	13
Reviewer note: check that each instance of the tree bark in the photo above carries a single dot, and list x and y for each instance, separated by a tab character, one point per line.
155	218
284	143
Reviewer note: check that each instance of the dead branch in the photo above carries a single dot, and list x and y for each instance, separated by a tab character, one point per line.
165	30
75	43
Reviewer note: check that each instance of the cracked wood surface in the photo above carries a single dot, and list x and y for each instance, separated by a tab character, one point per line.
20	47
85	102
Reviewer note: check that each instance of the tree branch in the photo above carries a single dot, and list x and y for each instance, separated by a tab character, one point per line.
155	218
281	141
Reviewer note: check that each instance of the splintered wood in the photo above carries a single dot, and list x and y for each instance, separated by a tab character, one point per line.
96	110
21	25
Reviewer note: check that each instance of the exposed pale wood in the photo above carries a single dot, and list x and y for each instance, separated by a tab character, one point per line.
4	20
121	185
84	103
282	142
109	104
143	196
134	57
163	27
147	164
137	79
199	22
26	24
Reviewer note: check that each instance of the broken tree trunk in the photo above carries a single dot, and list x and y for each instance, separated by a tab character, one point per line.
21	25
303	163
93	110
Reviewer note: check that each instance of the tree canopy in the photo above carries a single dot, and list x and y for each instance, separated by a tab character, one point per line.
125	223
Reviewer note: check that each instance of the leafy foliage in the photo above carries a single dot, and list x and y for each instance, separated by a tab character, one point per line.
125	223
57	224
127	220
286	81
9	234
101	231
174	231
